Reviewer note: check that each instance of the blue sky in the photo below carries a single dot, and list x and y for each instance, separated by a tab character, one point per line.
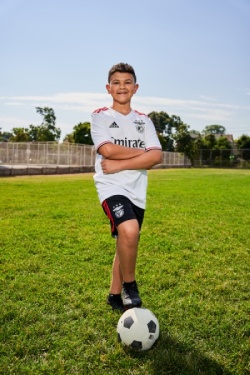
191	57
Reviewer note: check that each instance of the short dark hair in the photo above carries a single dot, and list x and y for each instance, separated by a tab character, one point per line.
122	68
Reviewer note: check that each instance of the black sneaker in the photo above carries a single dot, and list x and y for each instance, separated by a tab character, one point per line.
115	301
131	296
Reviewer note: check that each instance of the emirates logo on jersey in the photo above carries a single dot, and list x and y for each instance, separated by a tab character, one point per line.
139	125
134	143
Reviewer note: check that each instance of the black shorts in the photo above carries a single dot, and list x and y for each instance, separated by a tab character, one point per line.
118	209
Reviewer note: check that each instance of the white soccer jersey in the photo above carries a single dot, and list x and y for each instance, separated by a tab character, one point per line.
133	130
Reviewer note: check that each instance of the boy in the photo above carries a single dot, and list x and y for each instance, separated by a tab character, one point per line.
127	145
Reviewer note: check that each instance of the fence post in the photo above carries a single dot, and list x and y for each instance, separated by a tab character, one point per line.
46	152
58	153
8	154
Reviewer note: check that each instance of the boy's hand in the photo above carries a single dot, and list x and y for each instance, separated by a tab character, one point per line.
110	166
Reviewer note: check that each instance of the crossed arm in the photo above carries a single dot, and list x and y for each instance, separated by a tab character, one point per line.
117	158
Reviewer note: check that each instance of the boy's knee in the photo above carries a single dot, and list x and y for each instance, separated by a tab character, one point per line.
129	230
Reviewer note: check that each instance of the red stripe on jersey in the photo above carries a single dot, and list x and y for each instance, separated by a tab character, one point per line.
108	213
100	110
140	113
153	148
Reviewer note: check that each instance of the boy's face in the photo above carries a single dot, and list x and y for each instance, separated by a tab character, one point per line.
122	87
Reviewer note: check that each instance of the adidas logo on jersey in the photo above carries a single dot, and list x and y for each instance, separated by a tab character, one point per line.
113	125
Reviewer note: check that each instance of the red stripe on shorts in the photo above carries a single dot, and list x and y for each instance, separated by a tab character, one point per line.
108	213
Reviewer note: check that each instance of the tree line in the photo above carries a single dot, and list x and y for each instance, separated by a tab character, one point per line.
173	134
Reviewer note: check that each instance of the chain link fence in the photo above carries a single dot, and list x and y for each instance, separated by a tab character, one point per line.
226	158
174	159
48	153
45	158
69	158
50	157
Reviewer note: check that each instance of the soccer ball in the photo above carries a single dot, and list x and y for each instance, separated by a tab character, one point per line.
138	328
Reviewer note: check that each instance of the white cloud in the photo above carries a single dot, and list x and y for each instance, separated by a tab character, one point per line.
214	116
14	103
12	121
73	107
90	101
207	97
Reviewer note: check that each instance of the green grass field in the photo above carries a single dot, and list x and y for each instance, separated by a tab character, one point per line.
193	273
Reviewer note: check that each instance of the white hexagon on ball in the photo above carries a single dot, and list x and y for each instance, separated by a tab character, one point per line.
138	328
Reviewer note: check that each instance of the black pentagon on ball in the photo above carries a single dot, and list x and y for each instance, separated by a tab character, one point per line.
128	322
151	326
136	345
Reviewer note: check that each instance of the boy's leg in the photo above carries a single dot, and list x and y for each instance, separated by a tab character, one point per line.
123	272
127	246
126	220
114	298
116	281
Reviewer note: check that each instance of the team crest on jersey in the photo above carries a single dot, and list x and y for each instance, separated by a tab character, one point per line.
118	210
139	125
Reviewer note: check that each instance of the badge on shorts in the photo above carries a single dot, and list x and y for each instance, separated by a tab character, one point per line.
118	210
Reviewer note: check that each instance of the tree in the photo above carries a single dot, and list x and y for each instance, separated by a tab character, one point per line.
215	150
168	127
209	141
223	144
20	135
243	144
222	150
80	134
163	141
69	138
160	120
187	142
5	136
47	131
49	118
214	130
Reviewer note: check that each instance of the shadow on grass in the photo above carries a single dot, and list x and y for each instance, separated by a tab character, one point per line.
168	356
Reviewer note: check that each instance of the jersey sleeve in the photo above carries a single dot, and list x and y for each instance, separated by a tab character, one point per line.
151	138
99	131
